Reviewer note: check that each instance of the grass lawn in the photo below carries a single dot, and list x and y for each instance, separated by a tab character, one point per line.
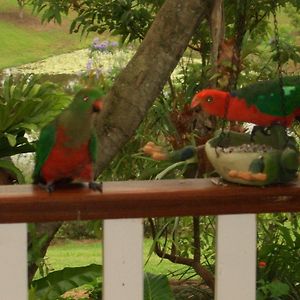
27	40
80	253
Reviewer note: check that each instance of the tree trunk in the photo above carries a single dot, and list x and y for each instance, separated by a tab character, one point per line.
144	77
42	229
217	28
141	82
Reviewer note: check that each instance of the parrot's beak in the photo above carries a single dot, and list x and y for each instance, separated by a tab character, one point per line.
97	106
195	102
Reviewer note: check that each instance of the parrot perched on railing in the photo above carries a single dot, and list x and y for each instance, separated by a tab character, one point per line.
263	103
67	147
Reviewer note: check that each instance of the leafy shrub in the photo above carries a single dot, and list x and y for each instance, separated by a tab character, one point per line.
79	230
278	256
26	104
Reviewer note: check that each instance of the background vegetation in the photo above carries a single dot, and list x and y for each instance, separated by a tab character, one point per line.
25	39
167	123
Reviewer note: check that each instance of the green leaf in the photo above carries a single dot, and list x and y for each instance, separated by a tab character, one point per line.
6	88
29	126
12	169
156	287
57	16
278	288
12	139
58	282
286	233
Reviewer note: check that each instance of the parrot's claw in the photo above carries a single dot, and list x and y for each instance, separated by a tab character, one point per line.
96	186
47	187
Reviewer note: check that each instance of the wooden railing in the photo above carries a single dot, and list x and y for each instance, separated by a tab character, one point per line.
122	206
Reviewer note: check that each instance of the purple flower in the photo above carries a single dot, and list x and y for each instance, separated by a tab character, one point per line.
102	46
114	44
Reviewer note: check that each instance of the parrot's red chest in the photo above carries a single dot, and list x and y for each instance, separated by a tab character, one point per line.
67	162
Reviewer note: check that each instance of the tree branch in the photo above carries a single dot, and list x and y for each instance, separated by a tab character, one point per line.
196	230
191	262
144	77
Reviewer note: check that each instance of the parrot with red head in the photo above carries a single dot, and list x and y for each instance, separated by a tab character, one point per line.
263	103
67	147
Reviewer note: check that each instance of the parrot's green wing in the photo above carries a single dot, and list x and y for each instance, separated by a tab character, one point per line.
93	145
266	96
44	146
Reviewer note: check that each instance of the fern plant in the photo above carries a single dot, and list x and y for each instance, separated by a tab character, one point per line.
26	104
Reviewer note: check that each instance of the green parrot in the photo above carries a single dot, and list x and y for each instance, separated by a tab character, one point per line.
67	147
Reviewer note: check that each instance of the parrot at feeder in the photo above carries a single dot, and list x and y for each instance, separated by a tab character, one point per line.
261	103
67	147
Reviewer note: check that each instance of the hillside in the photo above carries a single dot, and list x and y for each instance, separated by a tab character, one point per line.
25	40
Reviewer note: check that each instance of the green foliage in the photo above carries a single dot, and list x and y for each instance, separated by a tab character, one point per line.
192	292
156	287
9	166
25	106
271	290
22	3
292	12
79	230
126	18
129	19
57	283
288	51
52	10
279	249
34	256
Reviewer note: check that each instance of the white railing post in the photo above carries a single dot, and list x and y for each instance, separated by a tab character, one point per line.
236	257
13	261
123	259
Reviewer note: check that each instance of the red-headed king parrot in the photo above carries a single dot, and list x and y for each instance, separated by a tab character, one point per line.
67	147
261	103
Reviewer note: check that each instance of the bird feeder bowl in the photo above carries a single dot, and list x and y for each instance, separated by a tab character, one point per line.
259	159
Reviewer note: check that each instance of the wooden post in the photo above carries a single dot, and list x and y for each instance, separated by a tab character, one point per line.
13	261
123	259
236	257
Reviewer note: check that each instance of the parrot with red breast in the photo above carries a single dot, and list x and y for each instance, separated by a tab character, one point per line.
67	147
263	103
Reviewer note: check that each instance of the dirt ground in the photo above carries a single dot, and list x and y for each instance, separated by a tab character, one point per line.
30	21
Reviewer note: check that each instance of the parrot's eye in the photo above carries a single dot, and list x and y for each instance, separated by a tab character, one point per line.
85	98
209	99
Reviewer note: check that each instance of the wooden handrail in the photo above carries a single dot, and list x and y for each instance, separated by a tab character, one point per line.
136	199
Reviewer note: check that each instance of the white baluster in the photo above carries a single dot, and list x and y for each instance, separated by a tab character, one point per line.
13	261
236	257
123	259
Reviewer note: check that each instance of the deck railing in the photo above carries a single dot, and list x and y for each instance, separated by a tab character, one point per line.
122	206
